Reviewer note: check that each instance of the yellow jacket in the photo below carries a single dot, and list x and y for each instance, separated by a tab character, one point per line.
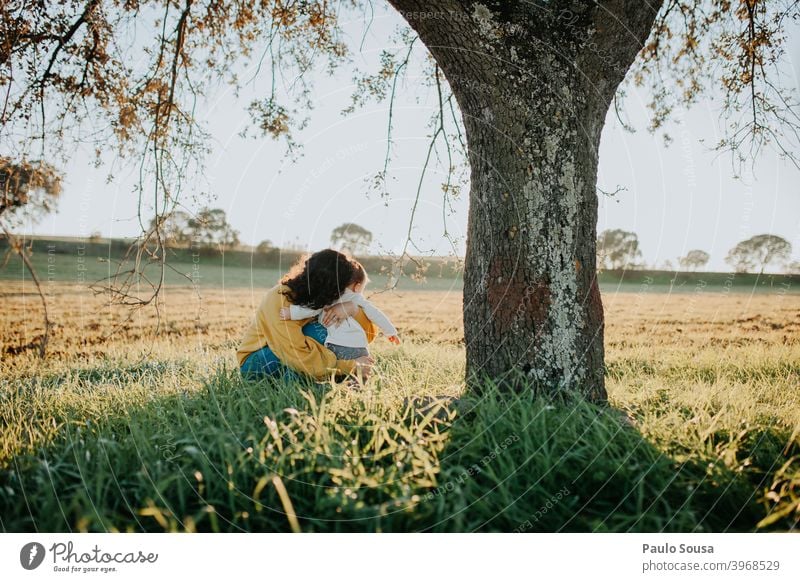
286	339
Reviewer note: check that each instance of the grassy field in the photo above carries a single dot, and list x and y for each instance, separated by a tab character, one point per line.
78	261
134	431
83	262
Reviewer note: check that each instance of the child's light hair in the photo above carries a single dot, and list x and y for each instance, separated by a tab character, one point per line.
360	276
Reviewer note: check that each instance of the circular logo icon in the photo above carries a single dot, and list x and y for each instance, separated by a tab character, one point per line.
31	555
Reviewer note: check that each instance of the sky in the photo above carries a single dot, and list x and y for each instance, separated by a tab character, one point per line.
676	198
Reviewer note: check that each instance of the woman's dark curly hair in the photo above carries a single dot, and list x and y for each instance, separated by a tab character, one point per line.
318	280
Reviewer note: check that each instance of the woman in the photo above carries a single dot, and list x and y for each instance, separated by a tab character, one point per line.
272	347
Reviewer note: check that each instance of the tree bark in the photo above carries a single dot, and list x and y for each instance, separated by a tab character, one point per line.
534	81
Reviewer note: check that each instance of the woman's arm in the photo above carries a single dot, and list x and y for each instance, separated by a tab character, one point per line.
341	311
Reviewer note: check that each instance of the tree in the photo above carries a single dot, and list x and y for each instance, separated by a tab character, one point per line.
759	252
533	81
351	238
618	249
210	227
696	259
29	188
793	268
264	246
174	228
533	84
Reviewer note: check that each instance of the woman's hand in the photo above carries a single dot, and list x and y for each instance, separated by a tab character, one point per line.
394	339
336	314
364	366
285	313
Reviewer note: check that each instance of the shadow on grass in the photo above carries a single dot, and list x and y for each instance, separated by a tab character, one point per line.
522	463
270	456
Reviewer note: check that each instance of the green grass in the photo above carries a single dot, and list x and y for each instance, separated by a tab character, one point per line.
182	443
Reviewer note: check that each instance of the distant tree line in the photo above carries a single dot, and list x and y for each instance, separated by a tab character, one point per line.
616	248
209	228
619	249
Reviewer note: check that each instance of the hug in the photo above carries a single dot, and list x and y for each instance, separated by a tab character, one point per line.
315	324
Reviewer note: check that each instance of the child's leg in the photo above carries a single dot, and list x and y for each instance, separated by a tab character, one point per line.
346	352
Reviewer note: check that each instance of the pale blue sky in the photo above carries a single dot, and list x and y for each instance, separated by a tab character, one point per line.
678	198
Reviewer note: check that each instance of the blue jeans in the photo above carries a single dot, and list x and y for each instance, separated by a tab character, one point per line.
264	363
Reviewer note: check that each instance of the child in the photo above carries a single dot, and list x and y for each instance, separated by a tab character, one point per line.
347	339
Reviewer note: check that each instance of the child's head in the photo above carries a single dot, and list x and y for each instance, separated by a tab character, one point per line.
359	279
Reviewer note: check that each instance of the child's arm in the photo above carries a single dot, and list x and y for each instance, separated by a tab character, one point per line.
377	317
296	312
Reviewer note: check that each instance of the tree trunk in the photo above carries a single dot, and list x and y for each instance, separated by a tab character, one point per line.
534	81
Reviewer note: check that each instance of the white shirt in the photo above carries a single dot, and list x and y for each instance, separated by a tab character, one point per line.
348	333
